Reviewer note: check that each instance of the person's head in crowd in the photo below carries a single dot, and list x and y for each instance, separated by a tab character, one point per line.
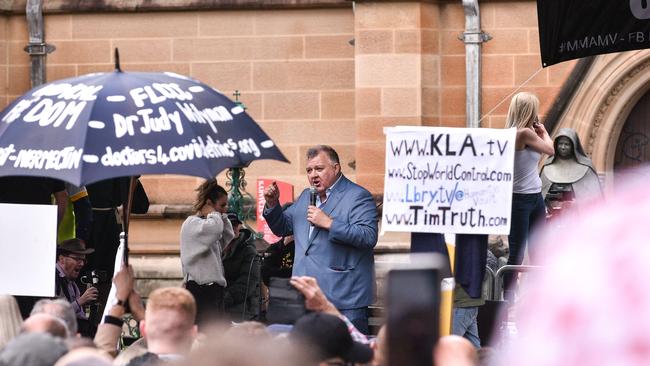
328	338
170	321
45	323
249	329
33	349
523	110
380	348
210	197
236	223
589	305
10	319
58	308
85	357
71	257
79	342
145	359
323	167
231	349
137	348
454	350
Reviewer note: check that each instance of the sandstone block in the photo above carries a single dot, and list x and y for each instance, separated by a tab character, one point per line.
334	46
337	104
302	75
388	70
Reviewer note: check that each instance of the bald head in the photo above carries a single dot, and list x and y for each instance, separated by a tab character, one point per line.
455	350
45	323
84	356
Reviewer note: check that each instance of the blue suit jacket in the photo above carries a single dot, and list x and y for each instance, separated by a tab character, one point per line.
342	258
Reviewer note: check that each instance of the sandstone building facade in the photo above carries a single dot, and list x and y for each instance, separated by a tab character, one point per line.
335	72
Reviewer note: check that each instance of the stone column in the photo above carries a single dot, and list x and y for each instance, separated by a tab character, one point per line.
397	66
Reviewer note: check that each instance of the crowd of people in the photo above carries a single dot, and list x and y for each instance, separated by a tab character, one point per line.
326	249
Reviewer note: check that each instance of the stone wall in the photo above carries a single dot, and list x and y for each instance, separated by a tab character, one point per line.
308	71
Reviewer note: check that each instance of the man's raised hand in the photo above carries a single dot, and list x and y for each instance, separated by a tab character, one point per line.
272	195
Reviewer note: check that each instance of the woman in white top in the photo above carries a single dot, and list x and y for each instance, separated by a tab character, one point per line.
203	237
527	202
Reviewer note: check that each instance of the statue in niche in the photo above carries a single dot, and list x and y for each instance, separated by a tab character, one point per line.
569	175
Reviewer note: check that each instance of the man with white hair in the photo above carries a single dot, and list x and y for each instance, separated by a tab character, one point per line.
60	309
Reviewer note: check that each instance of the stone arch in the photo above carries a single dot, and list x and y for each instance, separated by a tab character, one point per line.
601	105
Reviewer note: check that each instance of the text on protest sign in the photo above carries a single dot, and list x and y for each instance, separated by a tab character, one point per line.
570	29
454	180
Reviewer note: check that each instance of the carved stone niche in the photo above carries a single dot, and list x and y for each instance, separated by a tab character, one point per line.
601	105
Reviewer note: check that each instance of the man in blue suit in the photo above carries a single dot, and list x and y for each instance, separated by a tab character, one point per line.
334	239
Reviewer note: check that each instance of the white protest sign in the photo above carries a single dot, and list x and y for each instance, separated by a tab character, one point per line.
28	249
448	180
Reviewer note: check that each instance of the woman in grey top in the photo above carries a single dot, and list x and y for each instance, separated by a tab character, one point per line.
527	203
203	237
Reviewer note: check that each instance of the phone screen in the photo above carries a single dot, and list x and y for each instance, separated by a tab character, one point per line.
413	303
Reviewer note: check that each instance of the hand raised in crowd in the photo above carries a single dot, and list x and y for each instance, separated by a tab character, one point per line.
272	195
136	306
318	218
123	281
89	295
315	299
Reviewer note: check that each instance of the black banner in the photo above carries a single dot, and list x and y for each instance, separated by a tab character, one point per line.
570	29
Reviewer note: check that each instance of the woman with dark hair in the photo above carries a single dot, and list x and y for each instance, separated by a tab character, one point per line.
203	237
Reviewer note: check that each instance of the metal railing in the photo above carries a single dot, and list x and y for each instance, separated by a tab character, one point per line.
497	289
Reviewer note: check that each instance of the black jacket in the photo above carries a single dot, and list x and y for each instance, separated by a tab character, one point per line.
278	260
241	269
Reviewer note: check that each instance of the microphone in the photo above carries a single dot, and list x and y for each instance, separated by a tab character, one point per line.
312	195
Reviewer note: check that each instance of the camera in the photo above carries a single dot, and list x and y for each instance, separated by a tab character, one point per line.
94	278
286	303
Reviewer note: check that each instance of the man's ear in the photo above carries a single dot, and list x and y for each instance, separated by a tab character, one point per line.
143	328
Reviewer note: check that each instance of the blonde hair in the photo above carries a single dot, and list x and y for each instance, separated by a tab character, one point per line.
11	319
170	315
523	110
173	298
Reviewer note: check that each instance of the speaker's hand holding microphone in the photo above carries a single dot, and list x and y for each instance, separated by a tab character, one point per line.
312	196
315	215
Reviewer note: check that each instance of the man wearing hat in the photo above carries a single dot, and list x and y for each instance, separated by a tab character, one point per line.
328	338
70	259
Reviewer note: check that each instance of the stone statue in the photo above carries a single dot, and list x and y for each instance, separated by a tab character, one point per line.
569	172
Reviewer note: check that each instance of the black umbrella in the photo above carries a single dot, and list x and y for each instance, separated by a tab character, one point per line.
105	125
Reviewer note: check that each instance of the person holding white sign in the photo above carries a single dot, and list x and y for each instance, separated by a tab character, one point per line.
532	141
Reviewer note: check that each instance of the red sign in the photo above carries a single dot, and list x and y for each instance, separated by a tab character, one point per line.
286	195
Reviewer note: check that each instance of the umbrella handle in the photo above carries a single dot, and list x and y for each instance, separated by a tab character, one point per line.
126	215
125	255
